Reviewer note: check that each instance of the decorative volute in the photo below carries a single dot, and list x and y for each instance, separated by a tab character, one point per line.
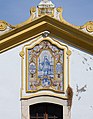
5	27
46	7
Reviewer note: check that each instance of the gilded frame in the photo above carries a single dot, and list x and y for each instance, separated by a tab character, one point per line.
67	53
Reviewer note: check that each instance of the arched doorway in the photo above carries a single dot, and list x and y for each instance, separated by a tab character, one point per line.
46	111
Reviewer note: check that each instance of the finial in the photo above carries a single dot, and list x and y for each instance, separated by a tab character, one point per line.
46	4
46	7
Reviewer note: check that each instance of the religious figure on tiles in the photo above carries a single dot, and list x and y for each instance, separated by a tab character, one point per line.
46	64
45	67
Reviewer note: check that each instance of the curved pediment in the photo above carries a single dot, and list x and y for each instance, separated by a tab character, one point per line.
46	17
65	32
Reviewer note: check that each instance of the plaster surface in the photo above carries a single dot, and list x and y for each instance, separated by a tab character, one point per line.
81	78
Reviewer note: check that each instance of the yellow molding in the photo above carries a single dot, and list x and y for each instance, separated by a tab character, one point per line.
24	85
60	10
22	32
39	95
65	32
56	43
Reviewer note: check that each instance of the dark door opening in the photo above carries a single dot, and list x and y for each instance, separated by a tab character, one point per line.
46	111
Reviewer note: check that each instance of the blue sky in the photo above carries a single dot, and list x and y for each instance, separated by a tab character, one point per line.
76	12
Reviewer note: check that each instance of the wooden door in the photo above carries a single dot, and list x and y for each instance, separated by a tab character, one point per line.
46	111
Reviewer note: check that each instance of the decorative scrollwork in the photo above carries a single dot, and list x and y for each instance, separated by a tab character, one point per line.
88	26
22	54
4	24
69	52
32	12
45	62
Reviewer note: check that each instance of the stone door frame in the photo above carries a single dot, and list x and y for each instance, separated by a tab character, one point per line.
26	103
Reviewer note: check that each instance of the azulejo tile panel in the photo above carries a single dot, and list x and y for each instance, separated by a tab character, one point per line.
45	67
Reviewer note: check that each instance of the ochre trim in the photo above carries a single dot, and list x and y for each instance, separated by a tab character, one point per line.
4	24
65	32
88	26
35	95
54	42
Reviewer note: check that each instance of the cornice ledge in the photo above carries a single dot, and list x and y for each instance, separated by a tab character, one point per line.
69	34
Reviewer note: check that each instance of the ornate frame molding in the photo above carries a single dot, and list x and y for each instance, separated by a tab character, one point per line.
67	53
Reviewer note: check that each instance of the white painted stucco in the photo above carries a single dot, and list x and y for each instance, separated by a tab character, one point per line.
81	74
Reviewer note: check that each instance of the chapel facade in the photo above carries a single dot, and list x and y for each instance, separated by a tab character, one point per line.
55	64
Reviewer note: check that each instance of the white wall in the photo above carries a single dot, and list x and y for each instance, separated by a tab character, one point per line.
82	75
10	83
10	77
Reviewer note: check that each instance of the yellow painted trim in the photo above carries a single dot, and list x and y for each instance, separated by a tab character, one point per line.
22	53
39	95
4	24
88	26
22	32
39	39
65	32
54	43
69	53
60	11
